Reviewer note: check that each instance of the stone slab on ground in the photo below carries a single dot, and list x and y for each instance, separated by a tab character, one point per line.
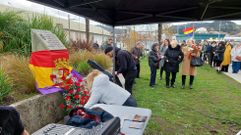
40	110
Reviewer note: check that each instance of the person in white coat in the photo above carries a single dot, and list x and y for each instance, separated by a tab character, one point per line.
104	91
236	58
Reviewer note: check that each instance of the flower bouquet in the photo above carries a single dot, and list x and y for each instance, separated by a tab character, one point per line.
75	93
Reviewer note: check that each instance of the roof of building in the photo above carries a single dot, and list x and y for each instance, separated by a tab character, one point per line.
127	12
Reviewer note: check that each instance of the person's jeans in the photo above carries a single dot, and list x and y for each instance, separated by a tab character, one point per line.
236	66
153	75
130	102
168	78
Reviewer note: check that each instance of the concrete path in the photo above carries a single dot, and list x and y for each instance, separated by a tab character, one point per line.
236	77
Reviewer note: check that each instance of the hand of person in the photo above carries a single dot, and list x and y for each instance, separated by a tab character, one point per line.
193	54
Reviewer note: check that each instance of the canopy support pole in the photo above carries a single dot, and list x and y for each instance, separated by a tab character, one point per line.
114	47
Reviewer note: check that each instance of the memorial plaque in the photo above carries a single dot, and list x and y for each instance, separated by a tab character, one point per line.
45	40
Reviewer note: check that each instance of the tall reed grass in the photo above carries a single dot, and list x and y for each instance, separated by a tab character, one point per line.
79	61
5	85
16	68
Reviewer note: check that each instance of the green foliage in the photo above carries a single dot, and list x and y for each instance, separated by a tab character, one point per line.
83	68
5	86
79	61
46	23
212	107
14	33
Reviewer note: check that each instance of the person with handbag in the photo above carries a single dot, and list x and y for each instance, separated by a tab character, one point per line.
236	58
153	60
189	51
173	57
163	49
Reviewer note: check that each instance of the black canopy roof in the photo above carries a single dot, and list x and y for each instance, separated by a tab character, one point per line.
127	12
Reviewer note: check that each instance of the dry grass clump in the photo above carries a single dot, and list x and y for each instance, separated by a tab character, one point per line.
79	61
5	84
16	68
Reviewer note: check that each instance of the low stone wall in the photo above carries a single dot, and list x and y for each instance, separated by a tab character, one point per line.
40	110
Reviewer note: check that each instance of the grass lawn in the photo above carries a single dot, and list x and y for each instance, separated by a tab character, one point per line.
212	107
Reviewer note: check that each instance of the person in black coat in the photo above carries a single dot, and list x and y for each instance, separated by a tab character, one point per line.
137	53
125	65
218	55
154	59
173	57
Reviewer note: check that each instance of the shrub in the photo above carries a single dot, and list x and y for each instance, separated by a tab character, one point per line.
5	85
16	68
83	68
14	33
79	61
103	60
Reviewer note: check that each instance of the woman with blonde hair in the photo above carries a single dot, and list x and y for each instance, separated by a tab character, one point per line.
190	50
102	90
173	57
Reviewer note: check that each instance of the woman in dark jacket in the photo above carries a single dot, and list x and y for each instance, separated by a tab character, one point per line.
153	60
173	57
218	55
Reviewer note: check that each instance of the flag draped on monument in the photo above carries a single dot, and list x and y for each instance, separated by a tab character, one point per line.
49	56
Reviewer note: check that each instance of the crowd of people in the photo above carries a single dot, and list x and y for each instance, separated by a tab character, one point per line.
170	54
221	54
165	57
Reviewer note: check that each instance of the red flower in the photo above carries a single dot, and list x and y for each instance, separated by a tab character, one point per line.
83	98
69	81
77	84
86	92
78	89
76	96
69	107
80	80
67	98
71	92
67	87
82	102
62	106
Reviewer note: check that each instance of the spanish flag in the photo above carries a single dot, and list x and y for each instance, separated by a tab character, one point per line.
188	31
42	64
